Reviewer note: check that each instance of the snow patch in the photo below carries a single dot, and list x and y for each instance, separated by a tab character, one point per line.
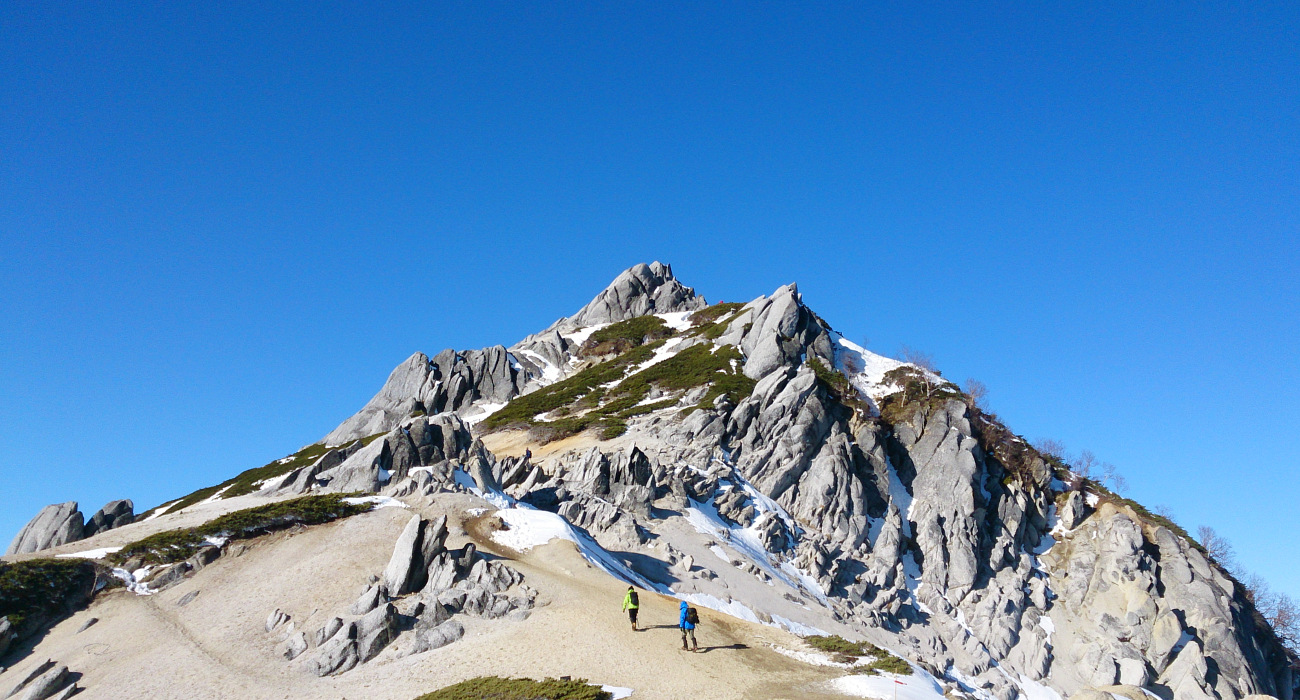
1033	690
799	628
579	336
379	501
486	409
617	693
91	553
160	510
808	657
678	320
919	686
530	528
550	373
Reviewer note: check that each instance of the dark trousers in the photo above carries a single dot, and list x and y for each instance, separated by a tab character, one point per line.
631	614
691	634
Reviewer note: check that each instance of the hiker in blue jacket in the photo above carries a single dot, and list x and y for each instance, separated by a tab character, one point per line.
688	620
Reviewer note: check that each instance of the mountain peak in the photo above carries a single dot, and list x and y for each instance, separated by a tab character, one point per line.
639	290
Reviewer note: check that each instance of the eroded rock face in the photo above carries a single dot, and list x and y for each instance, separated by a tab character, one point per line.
449	382
638	291
55	525
906	528
113	514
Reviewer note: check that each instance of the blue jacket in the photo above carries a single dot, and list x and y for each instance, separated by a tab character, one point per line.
681	622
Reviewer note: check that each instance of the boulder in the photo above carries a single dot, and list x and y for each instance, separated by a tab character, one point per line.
374	631
427	638
364	471
113	514
417	547
328	630
7	635
374	596
338	654
275	619
43	686
1074	511
36	672
296	646
55	525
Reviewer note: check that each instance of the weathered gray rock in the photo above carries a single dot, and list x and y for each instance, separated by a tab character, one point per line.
36	672
640	290
67	692
165	578
1074	510
374	596
113	514
44	685
7	635
338	654
364	471
416	549
374	631
328	630
427	638
275	619
202	558
449	382
296	646
55	525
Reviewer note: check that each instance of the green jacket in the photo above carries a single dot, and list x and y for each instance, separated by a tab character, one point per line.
627	602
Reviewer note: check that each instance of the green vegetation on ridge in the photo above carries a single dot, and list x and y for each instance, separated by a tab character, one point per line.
844	651
496	688
624	335
43	587
604	395
176	545
249	480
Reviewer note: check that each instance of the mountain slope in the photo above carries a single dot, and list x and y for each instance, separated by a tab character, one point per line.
748	459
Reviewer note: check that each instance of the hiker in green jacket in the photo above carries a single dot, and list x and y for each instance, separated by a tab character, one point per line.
631	603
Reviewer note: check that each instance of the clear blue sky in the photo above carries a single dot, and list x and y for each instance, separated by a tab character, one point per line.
221	226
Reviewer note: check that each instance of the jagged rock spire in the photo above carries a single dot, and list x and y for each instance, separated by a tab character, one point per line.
637	291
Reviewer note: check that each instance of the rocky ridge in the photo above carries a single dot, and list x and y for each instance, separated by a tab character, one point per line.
870	493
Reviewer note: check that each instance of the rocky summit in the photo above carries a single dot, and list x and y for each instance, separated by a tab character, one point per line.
846	524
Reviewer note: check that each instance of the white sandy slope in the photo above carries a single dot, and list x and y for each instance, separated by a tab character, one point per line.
216	646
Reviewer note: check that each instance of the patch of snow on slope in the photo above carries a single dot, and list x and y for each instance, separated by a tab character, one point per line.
808	657
1048	626
487	409
550	373
132	579
617	693
579	336
531	528
91	553
705	519
496	498
161	509
899	496
799	628
379	501
729	606
664	352
870	379
217	496
918	686
678	320
1033	690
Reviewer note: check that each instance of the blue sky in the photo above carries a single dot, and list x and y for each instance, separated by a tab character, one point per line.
221	227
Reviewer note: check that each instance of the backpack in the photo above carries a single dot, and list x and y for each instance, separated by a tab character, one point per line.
636	601
692	616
